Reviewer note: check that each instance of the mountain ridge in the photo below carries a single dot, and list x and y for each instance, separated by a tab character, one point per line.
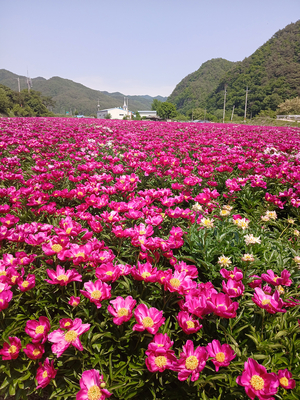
69	95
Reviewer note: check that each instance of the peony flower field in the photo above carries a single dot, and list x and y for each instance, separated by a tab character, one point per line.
149	260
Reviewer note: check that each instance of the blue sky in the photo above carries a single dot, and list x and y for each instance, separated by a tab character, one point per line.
134	46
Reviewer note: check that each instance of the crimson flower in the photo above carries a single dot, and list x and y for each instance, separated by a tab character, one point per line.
34	351
45	373
285	379
38	330
11	350
257	381
187	323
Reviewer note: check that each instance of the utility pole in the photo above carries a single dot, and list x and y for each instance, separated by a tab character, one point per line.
232	113
224	104
18	79
245	114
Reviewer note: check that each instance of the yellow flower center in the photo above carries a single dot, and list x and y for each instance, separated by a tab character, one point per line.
67	324
12	349
175	282
160	345
56	247
96	294
25	284
231	276
147	322
284	381
146	274
122	312
160	361
191	363
70	336
257	382
62	278
94	393
265	302
109	273
36	352
190	324
45	374
68	230
40	329
8	222
80	194
220	357
80	254
13	278
142	232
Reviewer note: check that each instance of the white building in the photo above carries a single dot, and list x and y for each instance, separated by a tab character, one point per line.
148	114
116	112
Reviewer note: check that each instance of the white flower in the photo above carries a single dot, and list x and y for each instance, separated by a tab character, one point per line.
242	223
224	261
207	223
224	213
271	214
248	257
250	239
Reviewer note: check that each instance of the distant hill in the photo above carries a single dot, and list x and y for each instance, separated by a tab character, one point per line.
69	95
272	74
194	89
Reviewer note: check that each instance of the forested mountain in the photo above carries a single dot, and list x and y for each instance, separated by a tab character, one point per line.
71	96
272	74
193	90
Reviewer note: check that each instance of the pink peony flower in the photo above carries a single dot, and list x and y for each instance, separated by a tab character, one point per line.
45	373
272	304
38	330
74	301
144	272
233	288
222	354
26	284
220	304
62	340
187	323
257	381
191	362
12	349
275	280
62	277
108	272
160	341
34	351
236	274
148	318
122	309
92	386
96	292
5	298
285	379
160	360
